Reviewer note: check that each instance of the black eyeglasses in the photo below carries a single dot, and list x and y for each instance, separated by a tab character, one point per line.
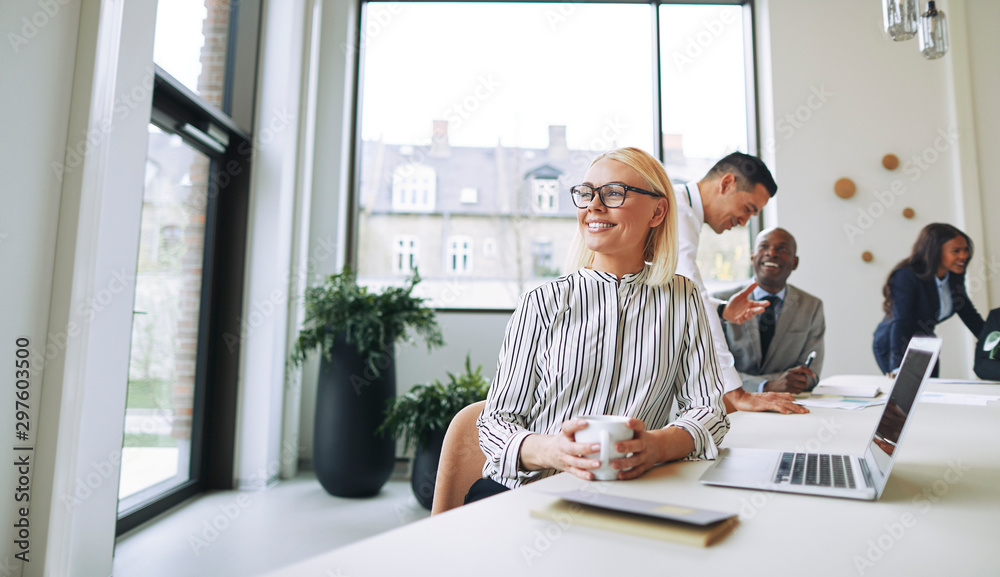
612	194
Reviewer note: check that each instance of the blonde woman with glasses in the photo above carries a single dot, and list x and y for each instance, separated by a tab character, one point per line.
619	335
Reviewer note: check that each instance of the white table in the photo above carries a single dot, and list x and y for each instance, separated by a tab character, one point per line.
938	515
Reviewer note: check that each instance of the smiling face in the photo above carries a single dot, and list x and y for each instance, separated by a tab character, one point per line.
617	236
954	256
774	259
734	207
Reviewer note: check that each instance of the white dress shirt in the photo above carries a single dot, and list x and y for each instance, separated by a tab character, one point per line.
690	218
589	344
944	296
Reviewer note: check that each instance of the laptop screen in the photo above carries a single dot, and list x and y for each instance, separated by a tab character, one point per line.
904	394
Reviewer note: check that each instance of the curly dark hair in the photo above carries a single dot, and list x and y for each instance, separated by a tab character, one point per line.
925	258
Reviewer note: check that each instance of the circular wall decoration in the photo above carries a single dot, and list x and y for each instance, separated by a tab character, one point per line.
867	256
890	161
908	212
844	188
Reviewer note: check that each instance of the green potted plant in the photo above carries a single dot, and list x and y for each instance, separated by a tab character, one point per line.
421	417
356	329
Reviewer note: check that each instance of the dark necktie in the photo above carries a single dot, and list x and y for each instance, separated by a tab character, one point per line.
767	321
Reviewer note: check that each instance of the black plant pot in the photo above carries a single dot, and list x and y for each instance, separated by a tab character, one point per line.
425	466
350	460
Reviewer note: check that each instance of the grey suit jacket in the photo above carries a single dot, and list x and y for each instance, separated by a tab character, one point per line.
800	331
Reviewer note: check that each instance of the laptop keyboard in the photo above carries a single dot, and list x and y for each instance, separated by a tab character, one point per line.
815	469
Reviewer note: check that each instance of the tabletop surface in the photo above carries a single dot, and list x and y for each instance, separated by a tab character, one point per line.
936	517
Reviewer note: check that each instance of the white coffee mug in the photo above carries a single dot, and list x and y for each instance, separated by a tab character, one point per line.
607	430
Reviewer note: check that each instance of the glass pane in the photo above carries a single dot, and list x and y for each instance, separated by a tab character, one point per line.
477	132
190	44
156	452
702	66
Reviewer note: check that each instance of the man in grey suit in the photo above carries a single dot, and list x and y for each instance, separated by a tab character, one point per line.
771	350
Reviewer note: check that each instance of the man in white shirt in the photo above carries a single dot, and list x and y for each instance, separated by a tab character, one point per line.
732	191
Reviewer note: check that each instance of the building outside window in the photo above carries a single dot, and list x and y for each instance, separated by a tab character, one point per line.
497	147
406	252
413	188
541	257
459	255
469	195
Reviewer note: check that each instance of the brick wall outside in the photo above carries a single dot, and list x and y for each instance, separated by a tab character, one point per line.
210	86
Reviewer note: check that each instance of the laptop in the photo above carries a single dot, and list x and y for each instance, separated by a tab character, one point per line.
835	475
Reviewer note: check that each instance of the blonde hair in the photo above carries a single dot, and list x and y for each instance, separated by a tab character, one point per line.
661	241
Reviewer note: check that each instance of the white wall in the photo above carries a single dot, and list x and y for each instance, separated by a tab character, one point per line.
981	16
77	95
35	117
269	291
843	96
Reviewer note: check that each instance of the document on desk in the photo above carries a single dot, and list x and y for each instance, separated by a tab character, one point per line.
650	519
836	402
962	381
958	399
853	385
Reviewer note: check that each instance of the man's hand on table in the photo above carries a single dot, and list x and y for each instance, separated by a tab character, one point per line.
793	381
740	400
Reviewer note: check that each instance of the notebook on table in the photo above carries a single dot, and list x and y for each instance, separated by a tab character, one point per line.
836	475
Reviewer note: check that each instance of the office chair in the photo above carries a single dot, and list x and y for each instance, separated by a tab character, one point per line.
461	462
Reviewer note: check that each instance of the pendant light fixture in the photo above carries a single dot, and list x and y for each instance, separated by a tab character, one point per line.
899	19
933	33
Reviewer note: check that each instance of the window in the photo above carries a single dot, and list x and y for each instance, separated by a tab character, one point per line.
178	437
497	146
545	195
459	255
405	254
413	187
541	257
469	196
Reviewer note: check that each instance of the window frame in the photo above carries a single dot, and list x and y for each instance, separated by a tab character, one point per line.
175	105
352	205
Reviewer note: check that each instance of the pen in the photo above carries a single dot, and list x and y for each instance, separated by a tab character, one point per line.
809	359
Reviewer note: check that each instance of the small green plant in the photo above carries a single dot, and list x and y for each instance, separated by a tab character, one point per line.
414	416
371	322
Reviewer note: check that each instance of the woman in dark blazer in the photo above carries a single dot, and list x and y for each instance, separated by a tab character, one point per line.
988	368
916	288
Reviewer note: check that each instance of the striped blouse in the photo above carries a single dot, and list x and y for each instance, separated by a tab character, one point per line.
587	344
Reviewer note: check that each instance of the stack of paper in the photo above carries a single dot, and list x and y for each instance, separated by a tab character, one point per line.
868	386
